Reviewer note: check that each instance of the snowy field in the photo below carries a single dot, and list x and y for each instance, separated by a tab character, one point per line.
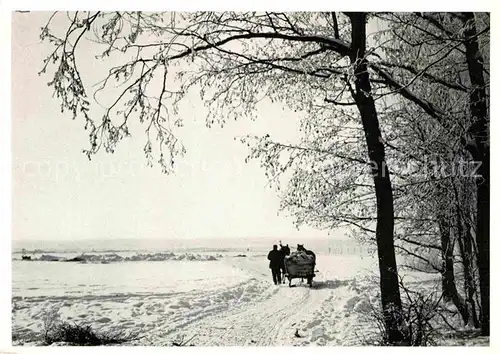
227	301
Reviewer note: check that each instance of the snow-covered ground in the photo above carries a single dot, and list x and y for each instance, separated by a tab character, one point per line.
229	301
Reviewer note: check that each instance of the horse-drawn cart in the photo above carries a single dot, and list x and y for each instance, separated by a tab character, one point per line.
300	268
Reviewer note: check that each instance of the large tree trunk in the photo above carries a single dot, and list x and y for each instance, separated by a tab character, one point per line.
483	244
449	287
467	262
447	273
463	237
389	283
480	151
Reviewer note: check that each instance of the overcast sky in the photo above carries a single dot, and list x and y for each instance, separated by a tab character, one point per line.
58	194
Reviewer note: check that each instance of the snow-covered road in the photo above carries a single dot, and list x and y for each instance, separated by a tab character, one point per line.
272	321
263	314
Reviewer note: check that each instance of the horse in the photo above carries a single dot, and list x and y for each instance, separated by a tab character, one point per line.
284	251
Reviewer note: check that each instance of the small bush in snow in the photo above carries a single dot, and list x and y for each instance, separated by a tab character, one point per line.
183	342
416	318
57	331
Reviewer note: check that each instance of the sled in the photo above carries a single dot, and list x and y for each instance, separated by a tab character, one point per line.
299	271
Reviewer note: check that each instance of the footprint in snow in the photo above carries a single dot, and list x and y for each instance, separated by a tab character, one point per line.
313	323
103	320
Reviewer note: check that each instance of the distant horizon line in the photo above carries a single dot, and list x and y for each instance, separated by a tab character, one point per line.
283	238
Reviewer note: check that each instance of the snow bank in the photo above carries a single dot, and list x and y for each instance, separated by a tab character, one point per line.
48	258
140	257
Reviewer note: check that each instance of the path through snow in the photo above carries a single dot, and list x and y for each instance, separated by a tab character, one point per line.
320	315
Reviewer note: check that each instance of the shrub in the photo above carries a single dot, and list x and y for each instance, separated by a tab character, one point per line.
55	330
416	319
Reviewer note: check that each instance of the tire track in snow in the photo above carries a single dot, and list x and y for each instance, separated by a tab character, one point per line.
269	322
270	319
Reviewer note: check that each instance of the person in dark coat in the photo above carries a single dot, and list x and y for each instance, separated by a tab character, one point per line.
274	258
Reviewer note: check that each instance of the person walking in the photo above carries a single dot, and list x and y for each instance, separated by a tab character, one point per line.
274	258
